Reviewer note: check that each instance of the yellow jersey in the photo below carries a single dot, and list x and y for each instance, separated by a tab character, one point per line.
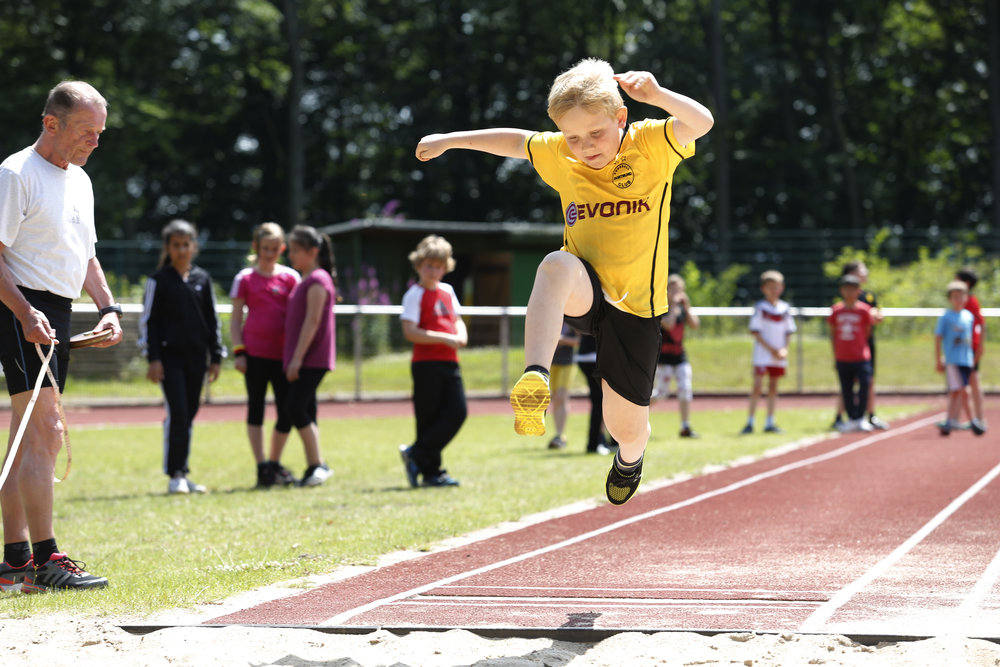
616	217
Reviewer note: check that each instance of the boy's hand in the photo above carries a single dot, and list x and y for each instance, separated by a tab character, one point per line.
780	353
640	86
431	147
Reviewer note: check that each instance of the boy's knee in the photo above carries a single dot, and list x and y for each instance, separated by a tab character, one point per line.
559	263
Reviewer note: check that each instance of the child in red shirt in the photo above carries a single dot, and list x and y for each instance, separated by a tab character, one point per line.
850	323
431	322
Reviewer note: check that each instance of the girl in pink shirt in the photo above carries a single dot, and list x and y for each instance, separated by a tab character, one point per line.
258	344
309	341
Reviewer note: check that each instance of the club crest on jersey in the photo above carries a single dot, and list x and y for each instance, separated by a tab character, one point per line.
622	175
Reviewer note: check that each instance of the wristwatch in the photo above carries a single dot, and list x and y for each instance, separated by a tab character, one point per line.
113	308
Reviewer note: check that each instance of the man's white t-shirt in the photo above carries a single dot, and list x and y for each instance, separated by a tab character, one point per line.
46	223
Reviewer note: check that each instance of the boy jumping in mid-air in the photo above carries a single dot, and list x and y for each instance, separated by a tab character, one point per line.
610	277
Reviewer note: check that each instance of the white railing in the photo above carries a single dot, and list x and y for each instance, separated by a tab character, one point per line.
505	313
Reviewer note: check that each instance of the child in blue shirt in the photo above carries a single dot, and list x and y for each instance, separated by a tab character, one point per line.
953	335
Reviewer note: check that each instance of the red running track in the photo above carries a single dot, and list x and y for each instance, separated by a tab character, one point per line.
893	533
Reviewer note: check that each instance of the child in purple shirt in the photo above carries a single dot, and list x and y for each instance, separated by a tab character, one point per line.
309	339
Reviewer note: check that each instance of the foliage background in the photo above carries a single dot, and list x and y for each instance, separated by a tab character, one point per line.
835	115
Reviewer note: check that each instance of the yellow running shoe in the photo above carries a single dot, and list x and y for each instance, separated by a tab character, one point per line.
530	398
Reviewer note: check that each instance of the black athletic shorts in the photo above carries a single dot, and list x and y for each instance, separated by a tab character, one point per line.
628	346
20	358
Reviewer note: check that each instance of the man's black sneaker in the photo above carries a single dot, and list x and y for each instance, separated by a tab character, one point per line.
686	432
620	487
60	572
978	427
944	427
773	428
410	466
441	479
12	577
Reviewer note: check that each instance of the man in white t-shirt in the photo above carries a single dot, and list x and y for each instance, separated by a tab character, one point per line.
47	256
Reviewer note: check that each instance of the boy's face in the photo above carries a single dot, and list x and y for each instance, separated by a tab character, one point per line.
593	138
849	293
958	299
431	271
772	290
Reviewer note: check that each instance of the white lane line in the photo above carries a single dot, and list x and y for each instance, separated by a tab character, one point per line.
609	589
591	603
342	618
819	618
983	587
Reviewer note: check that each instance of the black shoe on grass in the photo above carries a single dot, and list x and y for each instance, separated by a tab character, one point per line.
410	466
11	578
60	572
441	479
619	486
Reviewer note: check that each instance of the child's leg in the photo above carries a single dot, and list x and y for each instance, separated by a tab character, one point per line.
440	410
685	392
846	379
977	395
562	286
627	423
772	397
758	383
864	388
283	424
255	381
955	399
176	425
302	410
560	409
596	395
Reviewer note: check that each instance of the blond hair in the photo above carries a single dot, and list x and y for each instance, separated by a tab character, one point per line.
675	279
265	231
771	276
433	247
590	85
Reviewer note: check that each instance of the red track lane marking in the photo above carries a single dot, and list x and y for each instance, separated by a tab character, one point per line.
344	617
818	619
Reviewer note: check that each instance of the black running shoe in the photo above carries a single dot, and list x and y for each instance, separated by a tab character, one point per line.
12	577
978	427
412	471
265	475
620	487
441	479
282	475
60	572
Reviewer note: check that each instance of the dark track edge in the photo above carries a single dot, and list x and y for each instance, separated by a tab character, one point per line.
585	635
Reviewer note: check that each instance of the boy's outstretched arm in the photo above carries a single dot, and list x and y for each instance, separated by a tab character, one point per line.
693	119
502	141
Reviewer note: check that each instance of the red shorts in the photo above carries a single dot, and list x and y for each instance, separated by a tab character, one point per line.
769	371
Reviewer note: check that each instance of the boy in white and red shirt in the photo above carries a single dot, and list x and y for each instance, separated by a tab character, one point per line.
431	322
771	326
850	323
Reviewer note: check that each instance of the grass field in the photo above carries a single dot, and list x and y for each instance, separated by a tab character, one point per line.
164	551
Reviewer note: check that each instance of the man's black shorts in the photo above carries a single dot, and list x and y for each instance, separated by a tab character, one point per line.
20	358
628	346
